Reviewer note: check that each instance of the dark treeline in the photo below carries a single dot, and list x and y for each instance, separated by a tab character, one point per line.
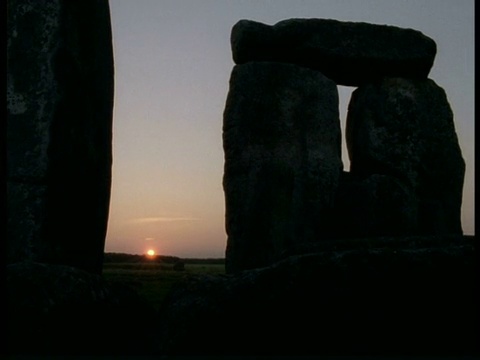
166	259
203	261
135	258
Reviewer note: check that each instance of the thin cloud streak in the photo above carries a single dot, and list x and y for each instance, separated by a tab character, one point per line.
161	219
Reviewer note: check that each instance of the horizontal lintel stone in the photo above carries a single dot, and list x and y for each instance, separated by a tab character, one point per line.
349	53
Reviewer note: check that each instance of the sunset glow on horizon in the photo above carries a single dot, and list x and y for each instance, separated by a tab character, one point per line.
150	252
173	62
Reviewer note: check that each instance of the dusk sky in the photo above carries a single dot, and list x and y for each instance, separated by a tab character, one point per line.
172	67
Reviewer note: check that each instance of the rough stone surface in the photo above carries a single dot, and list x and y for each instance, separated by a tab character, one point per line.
62	311
59	129
347	52
404	129
282	143
390	296
376	205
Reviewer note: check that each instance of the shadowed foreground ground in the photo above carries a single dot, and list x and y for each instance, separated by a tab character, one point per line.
365	297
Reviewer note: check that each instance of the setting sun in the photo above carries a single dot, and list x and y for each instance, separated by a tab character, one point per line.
151	252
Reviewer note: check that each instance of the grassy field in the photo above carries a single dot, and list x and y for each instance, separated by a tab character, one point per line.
153	279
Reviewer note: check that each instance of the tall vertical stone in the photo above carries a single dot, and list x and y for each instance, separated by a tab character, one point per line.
374	205
59	130
404	129
282	143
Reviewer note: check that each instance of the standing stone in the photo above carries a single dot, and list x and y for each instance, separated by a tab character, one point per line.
282	143
376	205
349	53
404	128
59	130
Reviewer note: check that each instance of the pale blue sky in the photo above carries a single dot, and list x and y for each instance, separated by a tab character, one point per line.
172	67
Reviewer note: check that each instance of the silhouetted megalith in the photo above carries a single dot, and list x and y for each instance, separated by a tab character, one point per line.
375	205
404	129
402	296
349	53
59	130
281	136
407	169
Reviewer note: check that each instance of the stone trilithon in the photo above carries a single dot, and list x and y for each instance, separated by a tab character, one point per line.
284	181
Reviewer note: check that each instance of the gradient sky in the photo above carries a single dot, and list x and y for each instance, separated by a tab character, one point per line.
172	67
